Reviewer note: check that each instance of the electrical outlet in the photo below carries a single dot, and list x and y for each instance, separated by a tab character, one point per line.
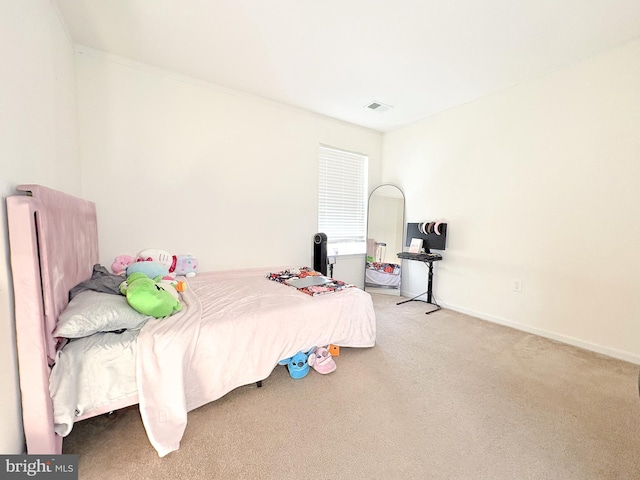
516	285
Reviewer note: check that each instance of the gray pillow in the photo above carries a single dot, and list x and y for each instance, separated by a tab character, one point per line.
90	312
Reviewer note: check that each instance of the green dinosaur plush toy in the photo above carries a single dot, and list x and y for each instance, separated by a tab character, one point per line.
145	296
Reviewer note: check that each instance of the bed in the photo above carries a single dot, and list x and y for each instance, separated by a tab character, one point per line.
233	329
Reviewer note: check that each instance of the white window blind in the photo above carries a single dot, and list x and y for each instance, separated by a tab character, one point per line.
342	202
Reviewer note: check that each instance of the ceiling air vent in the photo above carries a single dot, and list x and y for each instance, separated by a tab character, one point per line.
378	107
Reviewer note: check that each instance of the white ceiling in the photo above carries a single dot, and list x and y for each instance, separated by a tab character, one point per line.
334	57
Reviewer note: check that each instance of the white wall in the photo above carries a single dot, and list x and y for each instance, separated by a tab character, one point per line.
182	165
539	184
38	144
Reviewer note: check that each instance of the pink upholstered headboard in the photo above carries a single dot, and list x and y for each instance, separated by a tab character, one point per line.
53	239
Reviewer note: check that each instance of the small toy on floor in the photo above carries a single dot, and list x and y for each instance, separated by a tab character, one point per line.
298	365
321	361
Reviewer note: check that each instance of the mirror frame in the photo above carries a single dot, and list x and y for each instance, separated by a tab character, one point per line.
402	234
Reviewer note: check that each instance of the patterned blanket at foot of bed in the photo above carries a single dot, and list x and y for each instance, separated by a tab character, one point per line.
302	272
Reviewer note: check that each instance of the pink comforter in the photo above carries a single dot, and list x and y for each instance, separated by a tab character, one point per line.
234	329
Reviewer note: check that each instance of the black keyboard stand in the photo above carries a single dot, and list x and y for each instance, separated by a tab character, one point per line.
428	260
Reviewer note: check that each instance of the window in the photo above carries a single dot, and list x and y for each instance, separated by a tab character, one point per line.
342	202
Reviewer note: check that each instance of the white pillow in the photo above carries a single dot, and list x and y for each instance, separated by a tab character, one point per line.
90	312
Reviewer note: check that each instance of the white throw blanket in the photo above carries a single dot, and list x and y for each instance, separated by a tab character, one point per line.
234	329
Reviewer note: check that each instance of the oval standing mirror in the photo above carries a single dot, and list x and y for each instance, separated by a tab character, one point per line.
385	228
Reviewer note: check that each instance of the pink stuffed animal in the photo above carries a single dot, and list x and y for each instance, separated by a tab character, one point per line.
120	264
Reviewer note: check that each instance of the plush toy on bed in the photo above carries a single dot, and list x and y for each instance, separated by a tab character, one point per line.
120	264
172	286
146	297
150	269
176	264
127	265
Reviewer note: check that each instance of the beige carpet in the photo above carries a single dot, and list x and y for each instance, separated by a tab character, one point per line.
441	396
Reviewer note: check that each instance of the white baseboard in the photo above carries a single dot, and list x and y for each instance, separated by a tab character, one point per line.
576	342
